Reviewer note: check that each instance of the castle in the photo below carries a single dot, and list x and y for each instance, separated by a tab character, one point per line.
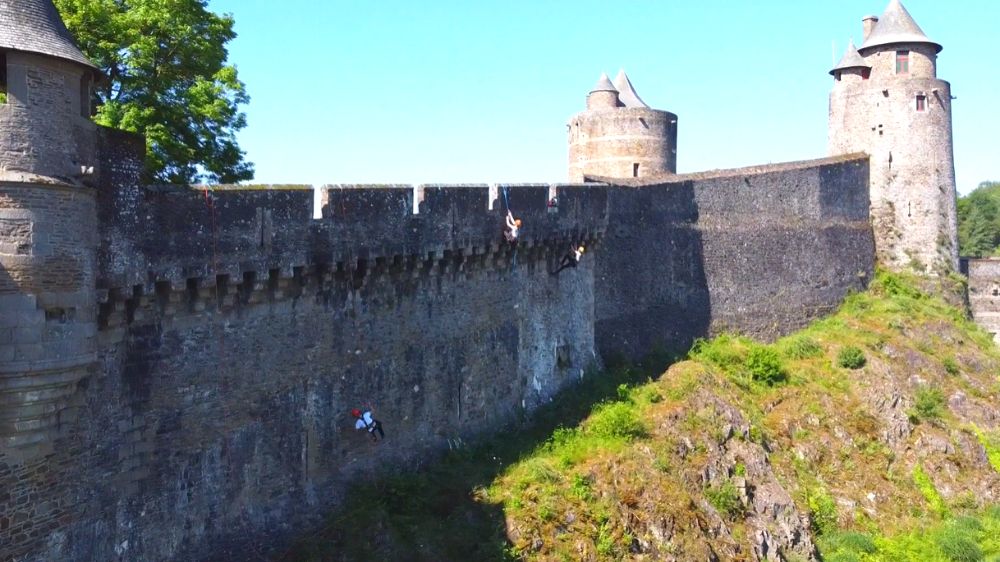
177	363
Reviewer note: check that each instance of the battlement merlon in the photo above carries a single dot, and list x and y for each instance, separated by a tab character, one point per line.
222	234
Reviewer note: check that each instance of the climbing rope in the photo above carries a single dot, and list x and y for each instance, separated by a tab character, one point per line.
506	202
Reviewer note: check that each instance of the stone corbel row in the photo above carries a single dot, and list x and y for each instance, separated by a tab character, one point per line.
230	291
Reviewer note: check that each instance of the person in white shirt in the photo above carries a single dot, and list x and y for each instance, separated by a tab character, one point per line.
365	420
571	259
513	226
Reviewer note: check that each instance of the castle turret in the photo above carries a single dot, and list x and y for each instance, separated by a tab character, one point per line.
619	135
48	225
888	102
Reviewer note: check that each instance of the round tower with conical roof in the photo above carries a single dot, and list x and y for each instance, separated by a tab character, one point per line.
887	101
619	136
48	225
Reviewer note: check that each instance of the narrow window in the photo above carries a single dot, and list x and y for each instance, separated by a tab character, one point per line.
902	62
837	74
866	73
3	77
635	170
921	102
85	94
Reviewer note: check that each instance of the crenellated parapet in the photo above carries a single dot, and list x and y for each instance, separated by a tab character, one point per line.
224	249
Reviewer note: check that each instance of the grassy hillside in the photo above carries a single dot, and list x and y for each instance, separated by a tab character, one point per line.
873	434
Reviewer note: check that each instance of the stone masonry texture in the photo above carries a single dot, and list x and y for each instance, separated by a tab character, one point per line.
178	363
238	332
984	292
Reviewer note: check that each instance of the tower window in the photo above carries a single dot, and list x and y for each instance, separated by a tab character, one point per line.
635	170
3	77
837	74
866	73
902	62
921	102
85	93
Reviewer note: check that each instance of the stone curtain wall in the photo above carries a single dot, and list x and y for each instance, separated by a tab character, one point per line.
984	292
759	250
217	418
235	333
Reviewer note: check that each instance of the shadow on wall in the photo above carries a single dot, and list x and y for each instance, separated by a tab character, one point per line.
651	291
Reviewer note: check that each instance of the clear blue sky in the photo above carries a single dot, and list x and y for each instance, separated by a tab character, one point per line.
404	91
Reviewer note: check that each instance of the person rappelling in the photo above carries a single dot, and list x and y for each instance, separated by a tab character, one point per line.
513	228
571	259
365	420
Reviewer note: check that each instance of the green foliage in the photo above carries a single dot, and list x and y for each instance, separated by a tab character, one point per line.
822	511
845	546
167	78
894	285
926	487
615	420
964	539
990	440
979	221
801	347
764	365
928	405
726	351
851	357
3	98
950	366
725	498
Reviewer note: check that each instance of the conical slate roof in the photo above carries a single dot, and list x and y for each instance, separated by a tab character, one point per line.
896	26
626	93
603	84
851	59
34	26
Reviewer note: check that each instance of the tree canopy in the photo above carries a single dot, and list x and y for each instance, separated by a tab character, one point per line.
167	78
979	221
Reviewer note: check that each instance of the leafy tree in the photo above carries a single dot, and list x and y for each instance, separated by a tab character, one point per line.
979	221
167	78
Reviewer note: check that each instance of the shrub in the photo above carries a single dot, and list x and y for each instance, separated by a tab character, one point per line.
928	405
950	366
764	365
893	285
616	420
958	545
822	511
846	546
802	347
725	351
851	357
725	499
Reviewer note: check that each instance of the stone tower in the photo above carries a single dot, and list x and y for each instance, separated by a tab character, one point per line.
48	225
888	102
619	136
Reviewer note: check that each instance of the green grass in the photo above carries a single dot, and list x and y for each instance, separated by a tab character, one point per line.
926	487
800	347
928	405
968	538
990	440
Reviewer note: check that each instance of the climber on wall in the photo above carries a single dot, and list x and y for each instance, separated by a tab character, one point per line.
513	226
571	259
365	420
